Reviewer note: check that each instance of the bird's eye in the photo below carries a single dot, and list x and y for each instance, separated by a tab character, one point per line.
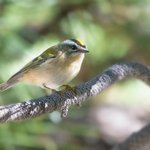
73	47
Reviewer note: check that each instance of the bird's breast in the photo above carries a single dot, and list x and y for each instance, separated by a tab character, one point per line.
55	73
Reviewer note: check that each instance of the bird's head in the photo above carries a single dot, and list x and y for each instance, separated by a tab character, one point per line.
72	47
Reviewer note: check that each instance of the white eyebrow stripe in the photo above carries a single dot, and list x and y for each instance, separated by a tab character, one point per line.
69	42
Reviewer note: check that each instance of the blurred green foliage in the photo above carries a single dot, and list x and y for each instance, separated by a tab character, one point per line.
113	30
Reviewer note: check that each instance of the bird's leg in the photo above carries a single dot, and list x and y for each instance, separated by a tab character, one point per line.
47	89
65	107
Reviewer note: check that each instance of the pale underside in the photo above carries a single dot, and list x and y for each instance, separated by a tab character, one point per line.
53	76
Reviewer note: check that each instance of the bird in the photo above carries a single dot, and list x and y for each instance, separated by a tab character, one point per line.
55	67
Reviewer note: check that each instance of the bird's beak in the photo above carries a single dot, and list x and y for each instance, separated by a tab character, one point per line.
84	50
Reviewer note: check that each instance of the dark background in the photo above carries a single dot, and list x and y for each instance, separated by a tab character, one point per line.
114	31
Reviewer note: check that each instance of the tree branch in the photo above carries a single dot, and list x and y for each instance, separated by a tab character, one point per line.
137	141
62	100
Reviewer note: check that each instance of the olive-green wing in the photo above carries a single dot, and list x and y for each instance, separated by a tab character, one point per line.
50	53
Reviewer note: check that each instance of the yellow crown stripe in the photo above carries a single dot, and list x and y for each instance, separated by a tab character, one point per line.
80	42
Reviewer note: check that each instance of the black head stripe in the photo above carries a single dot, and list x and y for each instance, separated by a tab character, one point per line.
78	43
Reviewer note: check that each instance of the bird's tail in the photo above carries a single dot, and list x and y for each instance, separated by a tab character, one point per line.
10	83
4	86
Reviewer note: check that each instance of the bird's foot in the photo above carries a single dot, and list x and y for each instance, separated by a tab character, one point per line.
72	89
69	88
